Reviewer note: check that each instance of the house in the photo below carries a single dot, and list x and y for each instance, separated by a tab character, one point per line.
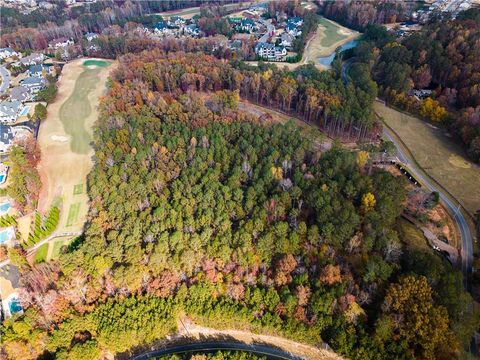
175	21
6	138
287	40
296	21
32	59
161	28
90	36
192	30
6	53
39	70
19	93
60	43
420	94
293	30
34	84
9	110
270	51
235	45
247	25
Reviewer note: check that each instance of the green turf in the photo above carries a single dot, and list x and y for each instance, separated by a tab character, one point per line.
73	214
78	189
99	63
331	35
41	254
77	108
57	245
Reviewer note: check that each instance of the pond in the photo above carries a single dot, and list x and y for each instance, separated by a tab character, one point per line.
327	60
99	63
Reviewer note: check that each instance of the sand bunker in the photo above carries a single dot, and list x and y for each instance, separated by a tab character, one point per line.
457	161
60	138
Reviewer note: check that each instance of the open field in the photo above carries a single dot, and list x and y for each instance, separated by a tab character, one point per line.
437	154
64	139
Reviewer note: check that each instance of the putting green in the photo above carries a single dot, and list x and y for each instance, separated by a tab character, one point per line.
77	108
78	189
100	63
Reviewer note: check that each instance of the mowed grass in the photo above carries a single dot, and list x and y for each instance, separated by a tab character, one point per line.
78	189
57	245
438	155
41	254
332	35
73	214
93	62
77	108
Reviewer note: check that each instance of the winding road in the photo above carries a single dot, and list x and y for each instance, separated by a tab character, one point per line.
257	349
421	175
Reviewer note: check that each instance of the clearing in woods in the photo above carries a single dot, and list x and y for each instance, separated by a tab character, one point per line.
437	154
65	140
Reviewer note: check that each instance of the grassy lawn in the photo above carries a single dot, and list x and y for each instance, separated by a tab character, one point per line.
77	108
57	245
437	154
73	214
41	254
411	236
78	189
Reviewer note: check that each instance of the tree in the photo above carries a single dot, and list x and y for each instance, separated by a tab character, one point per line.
416	320
368	201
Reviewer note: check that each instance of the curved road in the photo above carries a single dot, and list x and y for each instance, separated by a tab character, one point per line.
454	209
258	349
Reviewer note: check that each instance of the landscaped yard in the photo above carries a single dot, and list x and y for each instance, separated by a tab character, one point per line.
437	154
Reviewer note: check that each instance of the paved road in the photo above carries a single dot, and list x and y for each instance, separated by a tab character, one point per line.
263	350
5	74
453	208
467	240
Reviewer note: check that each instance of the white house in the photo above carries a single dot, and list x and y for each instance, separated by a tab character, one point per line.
6	53
9	110
270	51
60	43
90	36
39	70
34	84
293	30
191	30
32	59
176	21
287	40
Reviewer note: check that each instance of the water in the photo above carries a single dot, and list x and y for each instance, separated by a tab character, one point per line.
14	306
327	60
6	234
25	111
2	178
4	207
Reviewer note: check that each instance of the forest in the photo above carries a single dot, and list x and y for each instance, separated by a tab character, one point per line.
443	57
201	210
358	14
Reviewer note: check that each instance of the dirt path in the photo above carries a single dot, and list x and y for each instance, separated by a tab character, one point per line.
66	154
306	351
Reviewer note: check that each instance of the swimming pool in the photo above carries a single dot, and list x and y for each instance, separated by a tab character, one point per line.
14	306
4	207
7	234
25	111
2	178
